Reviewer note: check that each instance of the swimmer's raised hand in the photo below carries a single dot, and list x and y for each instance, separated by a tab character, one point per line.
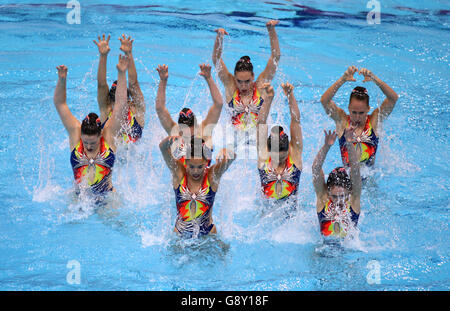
287	88
123	63
103	45
330	137
349	134
62	72
268	88
163	72
221	32
126	44
224	155
368	75
272	23
173	139
205	70
348	74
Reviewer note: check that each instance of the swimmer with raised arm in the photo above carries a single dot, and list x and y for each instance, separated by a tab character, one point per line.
366	126
187	121
338	202
195	185
106	96
280	159
93	149
244	95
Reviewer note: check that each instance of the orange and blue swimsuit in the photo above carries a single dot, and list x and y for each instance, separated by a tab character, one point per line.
102	163
336	222
194	209
367	142
133	131
289	180
245	117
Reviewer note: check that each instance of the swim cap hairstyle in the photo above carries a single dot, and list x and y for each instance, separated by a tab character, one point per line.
112	92
360	93
187	117
278	138
197	149
339	178
243	64
91	125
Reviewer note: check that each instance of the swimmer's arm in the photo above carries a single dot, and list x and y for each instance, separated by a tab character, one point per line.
355	176
214	112
71	124
388	104
331	109
160	103
171	162
295	127
272	65
102	84
224	75
133	84
261	136
317	172
223	162
136	92
336	113
119	112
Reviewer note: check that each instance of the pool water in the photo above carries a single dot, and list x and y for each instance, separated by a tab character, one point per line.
402	242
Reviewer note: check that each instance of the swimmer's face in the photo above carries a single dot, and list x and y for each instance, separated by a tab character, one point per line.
338	195
195	168
91	143
279	157
244	81
358	110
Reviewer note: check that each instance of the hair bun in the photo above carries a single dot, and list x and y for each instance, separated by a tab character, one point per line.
245	58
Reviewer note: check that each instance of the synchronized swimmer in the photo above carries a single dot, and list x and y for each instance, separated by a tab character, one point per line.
187	150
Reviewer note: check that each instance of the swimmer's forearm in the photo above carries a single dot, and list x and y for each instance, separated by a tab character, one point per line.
320	158
165	144
331	91
274	44
355	174
352	156
161	95
215	92
386	89
217	50
132	73
60	94
101	73
293	108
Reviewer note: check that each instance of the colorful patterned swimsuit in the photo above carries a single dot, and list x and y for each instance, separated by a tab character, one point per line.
133	131
289	180
102	163
194	209
367	142
245	117
336	223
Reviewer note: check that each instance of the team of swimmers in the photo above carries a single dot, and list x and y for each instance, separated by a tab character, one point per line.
187	150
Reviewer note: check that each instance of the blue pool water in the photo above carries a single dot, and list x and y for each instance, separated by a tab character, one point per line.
131	245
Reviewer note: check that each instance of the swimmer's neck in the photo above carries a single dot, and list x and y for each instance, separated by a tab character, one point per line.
359	127
194	185
92	154
279	165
